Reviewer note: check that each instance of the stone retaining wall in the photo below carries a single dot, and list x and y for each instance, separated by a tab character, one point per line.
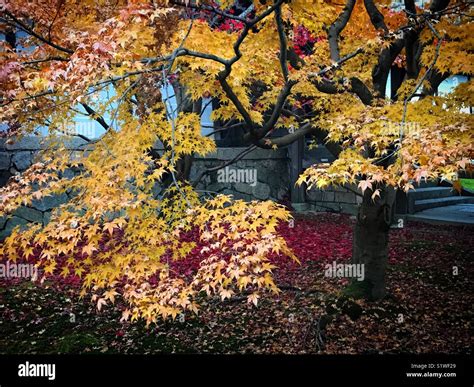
15	158
271	168
332	199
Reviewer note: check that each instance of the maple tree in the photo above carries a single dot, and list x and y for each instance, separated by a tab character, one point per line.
315	66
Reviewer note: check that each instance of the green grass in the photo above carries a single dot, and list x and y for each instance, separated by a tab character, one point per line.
468	183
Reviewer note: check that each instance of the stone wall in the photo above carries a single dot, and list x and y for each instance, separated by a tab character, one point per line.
332	199
271	168
15	158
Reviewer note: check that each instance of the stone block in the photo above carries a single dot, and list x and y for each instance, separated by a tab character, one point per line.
29	214
11	224
22	160
49	202
4	161
261	191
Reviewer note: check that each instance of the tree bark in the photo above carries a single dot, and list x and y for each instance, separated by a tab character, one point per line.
370	243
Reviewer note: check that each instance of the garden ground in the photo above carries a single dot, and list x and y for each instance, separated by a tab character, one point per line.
427	309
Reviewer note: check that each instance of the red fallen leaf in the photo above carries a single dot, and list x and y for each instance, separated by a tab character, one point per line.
315	240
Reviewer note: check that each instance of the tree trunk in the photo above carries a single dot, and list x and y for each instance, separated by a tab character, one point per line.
370	243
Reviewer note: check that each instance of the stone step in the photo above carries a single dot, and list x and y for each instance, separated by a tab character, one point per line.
431	193
425	204
426	193
460	214
426	184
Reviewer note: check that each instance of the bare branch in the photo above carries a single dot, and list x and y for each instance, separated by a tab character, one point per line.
19	24
92	113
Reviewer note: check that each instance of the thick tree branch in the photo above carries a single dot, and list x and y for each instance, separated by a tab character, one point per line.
222	78
422	79
267	143
336	28
412	45
382	69
438	5
410	6
361	90
434	78
356	85
280	102
283	44
375	15
224	74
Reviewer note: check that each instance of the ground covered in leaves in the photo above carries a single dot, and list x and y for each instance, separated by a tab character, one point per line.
427	309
